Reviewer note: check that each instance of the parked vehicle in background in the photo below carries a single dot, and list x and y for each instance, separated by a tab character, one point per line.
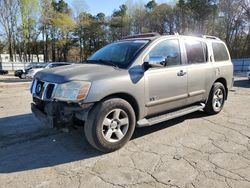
248	73
3	72
23	72
19	73
139	81
34	70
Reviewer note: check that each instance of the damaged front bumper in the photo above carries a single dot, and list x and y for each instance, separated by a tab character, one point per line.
59	114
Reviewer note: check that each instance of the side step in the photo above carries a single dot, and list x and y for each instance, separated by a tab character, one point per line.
171	115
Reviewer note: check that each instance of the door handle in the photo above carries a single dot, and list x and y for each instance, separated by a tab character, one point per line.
181	73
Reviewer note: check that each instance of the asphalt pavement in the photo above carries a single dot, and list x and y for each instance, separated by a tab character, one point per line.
192	151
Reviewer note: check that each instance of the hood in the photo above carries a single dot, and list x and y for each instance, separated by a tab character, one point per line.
84	72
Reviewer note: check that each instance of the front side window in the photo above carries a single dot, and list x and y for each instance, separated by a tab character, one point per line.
196	51
170	50
120	53
220	52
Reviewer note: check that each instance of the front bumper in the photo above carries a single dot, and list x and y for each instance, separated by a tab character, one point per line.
59	114
41	115
29	75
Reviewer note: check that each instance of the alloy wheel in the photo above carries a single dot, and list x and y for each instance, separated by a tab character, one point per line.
218	99
115	125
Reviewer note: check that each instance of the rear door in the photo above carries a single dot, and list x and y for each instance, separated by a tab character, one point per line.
199	68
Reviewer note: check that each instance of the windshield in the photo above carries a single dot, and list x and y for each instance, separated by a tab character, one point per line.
39	66
119	54
53	65
29	67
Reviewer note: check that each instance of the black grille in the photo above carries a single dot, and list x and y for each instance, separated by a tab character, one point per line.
43	90
49	92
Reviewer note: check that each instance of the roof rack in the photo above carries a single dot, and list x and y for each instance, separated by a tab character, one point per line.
210	37
205	36
144	35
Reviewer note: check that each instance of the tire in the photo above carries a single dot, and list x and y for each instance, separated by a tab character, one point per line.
110	125
22	76
216	99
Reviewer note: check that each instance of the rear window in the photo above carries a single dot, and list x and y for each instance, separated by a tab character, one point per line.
196	51
220	52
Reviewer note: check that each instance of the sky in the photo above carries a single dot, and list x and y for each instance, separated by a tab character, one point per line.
96	6
105	6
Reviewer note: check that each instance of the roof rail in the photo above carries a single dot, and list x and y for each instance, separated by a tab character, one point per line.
144	35
210	37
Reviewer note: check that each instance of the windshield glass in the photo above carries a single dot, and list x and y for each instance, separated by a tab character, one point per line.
29	66
39	66
119	54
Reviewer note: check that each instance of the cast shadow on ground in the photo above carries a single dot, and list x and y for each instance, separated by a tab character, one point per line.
47	148
139	132
15	80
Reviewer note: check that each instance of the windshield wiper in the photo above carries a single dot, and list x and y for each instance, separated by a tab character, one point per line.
108	62
102	61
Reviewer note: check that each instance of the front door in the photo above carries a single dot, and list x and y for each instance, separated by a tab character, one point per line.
166	82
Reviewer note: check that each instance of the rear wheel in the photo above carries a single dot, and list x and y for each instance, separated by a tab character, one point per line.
110	125
216	99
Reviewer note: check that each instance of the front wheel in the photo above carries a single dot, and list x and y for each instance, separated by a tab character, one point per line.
216	99
110	125
22	76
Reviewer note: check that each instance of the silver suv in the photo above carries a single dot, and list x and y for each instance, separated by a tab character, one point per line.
138	81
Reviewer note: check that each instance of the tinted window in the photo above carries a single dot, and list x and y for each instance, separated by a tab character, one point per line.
39	66
196	51
54	65
220	52
57	65
170	50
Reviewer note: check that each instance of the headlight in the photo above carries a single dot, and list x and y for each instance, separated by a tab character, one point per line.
72	91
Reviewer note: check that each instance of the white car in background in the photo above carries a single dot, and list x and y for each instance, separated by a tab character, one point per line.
248	73
31	73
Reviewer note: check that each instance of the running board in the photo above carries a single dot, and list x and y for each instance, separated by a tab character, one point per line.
171	115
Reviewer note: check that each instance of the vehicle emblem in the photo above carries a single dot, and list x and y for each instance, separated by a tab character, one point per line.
38	88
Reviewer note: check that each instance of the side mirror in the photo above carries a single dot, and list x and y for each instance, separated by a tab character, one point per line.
154	61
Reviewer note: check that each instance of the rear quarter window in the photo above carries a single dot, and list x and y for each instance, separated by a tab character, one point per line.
220	52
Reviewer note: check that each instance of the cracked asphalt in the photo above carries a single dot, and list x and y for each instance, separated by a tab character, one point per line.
192	151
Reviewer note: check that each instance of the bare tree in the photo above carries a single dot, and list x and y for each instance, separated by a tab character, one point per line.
246	6
8	17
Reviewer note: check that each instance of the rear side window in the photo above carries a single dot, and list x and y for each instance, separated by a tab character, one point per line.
220	52
196	51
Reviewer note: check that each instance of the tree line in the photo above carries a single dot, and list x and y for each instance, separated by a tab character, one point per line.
70	33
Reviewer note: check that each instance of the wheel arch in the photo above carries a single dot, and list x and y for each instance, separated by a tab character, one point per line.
224	82
129	98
